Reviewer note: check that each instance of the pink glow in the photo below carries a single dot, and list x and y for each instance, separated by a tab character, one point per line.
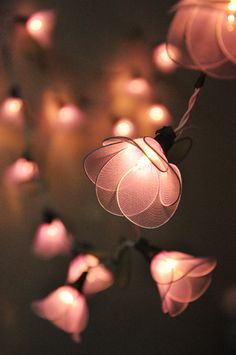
51	240
206	48
124	128
70	116
12	110
162	60
66	308
181	279
21	171
138	86
160	115
98	279
40	26
134	179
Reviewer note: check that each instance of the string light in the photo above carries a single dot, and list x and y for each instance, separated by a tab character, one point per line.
162	59
134	179
21	171
211	51
181	279
124	127
69	116
138	86
52	239
66	308
159	115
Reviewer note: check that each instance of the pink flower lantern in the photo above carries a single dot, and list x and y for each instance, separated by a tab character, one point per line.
22	171
52	239
40	26
204	33
134	179
66	308
124	127
181	279
162	60
98	278
12	110
69	116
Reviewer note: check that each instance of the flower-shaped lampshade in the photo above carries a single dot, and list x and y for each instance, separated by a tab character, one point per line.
69	116
52	239
22	171
98	278
204	33
181	279
134	179
66	308
12	110
40	26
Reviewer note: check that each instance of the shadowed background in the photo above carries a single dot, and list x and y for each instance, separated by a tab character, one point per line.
93	42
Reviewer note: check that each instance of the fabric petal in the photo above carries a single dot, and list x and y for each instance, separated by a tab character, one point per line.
204	48
226	35
138	188
170	186
176	38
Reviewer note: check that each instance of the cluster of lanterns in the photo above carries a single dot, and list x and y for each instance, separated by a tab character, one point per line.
133	176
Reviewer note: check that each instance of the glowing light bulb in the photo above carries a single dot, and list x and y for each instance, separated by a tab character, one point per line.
40	26
22	170
159	114
69	116
138	86
124	127
11	110
232	6
162	60
52	239
66	297
231	18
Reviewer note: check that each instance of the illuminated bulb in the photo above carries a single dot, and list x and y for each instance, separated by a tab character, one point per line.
11	110
40	26
66	308
69	116
180	278
22	170
231	18
66	297
124	127
159	114
162	60
232	6
52	239
138	86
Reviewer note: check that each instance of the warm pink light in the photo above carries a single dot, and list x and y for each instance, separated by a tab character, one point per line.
124	128
159	114
181	279
11	110
40	26
52	239
70	116
66	308
134	179
98	279
138	86
206	48
162	60
21	171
